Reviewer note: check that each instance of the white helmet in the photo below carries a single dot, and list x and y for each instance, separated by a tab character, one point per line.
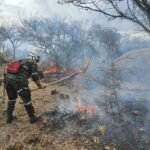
34	57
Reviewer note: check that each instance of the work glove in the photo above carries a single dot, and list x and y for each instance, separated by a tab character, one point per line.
40	85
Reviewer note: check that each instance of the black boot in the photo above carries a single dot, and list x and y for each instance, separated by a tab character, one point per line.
9	119
30	111
33	119
10	109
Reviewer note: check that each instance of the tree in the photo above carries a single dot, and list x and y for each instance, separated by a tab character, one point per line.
63	42
107	42
137	11
39	33
107	38
11	34
48	36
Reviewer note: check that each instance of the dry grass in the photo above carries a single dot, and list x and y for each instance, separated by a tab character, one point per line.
30	136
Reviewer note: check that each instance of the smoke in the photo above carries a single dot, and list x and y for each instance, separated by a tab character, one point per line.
125	112
105	104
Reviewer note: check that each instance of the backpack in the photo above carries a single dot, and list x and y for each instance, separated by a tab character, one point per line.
14	67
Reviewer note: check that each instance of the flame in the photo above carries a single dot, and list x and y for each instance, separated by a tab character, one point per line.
88	108
54	69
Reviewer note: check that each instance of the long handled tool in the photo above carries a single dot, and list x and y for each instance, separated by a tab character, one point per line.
75	73
62	79
4	87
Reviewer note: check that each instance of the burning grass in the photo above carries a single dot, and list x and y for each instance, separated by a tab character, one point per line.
90	109
77	128
90	132
85	128
67	122
54	70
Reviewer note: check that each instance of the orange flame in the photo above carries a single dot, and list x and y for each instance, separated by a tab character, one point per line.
54	70
88	108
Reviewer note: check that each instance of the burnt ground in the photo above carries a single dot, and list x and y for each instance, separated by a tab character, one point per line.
66	130
54	131
32	137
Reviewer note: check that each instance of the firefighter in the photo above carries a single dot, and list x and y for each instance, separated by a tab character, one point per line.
16	83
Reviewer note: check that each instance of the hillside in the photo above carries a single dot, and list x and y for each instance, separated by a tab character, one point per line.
67	122
135	74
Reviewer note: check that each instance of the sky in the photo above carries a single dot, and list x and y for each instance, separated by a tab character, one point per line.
11	10
45	8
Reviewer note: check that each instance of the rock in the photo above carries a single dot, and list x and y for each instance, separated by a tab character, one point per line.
136	113
10	147
53	92
62	96
18	146
32	139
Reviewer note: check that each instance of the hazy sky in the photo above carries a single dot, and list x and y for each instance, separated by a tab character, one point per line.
10	10
46	8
